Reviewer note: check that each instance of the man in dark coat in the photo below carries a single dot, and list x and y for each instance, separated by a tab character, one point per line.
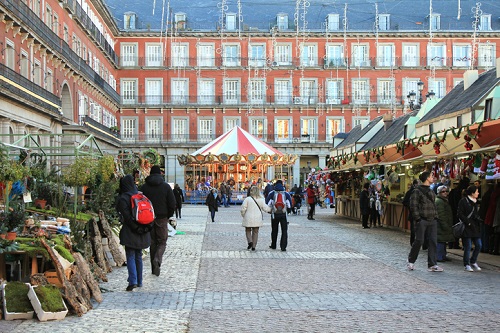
279	219
364	205
406	204
162	197
133	236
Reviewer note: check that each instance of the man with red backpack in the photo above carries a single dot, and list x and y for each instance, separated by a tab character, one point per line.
162	197
280	202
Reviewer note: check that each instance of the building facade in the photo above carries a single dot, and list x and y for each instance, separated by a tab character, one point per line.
175	75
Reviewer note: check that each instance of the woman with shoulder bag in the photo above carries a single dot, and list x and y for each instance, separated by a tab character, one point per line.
251	210
468	213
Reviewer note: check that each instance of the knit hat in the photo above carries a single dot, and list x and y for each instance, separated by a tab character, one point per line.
442	188
155	169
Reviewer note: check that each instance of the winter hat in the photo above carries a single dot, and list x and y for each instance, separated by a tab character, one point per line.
155	169
442	188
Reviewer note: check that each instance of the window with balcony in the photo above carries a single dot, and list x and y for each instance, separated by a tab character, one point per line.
154	91
308	129
205	54
384	21
129	91
309	55
231	91
438	86
230	123
10	55
411	85
436	55
334	125
82	107
24	65
205	129
180	55
411	57
334	93
435	22
129	55
485	22
66	33
179	91
231	55
462	55
37	73
154	56
49	81
486	55
206	91
256	91
55	25
257	127
153	129
360	55
282	130
128	129
256	55
334	55
95	111
360	91
386	93
48	17
282	55
333	22
308	92
282	91
36	7
386	55
180	130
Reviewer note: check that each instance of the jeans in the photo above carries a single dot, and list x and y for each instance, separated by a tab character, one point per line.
424	230
134	266
212	214
279	219
159	236
441	251
467	242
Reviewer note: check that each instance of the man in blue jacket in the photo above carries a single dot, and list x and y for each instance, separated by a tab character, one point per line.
162	197
279	218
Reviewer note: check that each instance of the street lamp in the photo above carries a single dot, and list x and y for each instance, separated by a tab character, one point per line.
412	96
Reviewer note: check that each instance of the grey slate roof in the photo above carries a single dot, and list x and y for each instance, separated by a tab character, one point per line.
357	133
261	14
458	99
390	136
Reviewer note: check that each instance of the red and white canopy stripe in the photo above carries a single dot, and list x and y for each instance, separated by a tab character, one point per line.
236	141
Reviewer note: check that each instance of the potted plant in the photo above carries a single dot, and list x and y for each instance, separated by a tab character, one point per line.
47	302
12	219
16	303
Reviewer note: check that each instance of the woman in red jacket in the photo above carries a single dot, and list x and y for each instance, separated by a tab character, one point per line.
311	200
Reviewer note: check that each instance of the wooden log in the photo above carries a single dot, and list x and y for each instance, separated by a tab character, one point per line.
100	256
87	276
114	247
81	286
69	292
98	272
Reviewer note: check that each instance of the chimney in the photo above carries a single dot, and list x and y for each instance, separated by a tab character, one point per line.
470	77
387	121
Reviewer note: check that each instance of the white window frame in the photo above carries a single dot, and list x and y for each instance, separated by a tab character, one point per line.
231	22
154	54
384	22
334	126
180	129
24	65
282	91
231	122
205	55
129	54
436	55
485	22
333	22
435	22
129	129
180	55
386	55
334	55
486	55
231	55
309	55
308	129
409	85
360	55
257	126
153	128
283	54
37	72
256	91
282	21
282	129
386	91
128	91
10	55
206	91
357	120
360	91
411	55
49	80
179	91
206	129
308	91
257	55
231	91
462	55
438	86
334	91
154	91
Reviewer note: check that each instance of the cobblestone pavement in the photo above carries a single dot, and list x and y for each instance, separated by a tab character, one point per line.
334	277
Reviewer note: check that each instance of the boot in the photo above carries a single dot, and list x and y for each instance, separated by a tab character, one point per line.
250	245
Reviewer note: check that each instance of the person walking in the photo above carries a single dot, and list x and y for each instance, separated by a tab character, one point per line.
213	201
162	197
468	213
423	209
311	201
179	199
406	204
279	219
445	221
133	236
252	210
364	205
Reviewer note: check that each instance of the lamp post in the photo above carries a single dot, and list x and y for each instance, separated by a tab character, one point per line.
412	97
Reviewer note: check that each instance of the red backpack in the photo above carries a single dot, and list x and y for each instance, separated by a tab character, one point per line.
142	208
279	202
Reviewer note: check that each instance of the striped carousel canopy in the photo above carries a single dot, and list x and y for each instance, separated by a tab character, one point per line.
237	141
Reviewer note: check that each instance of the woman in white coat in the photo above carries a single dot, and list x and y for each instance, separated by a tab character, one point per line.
252	210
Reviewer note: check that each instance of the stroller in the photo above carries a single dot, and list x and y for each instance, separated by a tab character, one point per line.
297	203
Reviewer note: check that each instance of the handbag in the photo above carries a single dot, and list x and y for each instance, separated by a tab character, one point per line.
458	228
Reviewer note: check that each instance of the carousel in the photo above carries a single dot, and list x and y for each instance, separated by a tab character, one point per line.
236	157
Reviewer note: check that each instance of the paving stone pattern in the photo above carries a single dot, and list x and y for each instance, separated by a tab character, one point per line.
334	277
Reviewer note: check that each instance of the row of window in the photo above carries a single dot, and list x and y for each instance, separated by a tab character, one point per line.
310	91
257	126
282	55
91	108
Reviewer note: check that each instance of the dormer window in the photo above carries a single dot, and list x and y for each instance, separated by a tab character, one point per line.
180	21
333	22
485	22
231	21
435	21
129	19
282	21
384	22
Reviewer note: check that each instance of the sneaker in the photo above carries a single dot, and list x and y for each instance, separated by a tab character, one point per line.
435	268
468	268
410	266
131	287
476	267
